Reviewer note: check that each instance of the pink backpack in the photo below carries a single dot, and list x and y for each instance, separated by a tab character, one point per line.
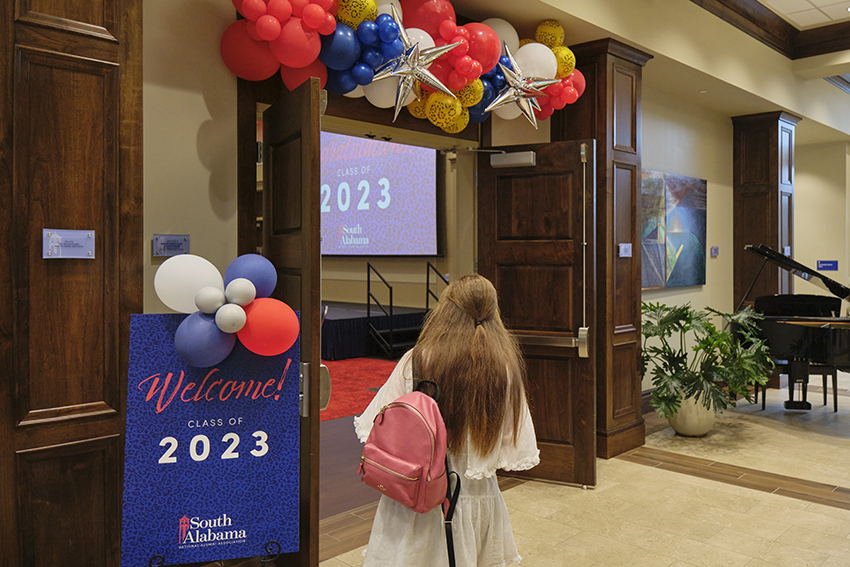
405	454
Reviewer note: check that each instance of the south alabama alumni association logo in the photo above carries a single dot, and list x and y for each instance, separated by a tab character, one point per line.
198	531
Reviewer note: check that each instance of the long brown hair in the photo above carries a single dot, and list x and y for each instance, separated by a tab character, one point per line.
465	348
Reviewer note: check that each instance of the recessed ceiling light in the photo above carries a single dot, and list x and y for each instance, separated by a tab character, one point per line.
703	91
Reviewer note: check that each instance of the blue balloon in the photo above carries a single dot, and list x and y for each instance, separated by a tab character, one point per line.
371	57
475	118
199	342
392	50
362	74
254	268
382	18
340	82
388	31
486	99
498	81
341	49
367	32
506	61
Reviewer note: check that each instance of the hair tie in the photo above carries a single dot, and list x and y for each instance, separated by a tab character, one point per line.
478	322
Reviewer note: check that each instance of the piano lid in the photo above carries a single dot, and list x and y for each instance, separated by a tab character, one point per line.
800	270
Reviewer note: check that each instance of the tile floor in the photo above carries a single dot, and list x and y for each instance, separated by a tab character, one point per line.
646	515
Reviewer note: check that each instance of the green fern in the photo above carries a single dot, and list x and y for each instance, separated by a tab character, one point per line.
716	370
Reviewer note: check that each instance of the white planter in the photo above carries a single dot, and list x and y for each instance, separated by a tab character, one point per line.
693	419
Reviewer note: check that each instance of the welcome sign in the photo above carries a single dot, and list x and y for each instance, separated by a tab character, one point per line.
211	455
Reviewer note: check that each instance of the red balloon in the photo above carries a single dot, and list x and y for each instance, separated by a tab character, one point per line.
484	45
448	29
440	69
297	46
253	9
456	81
427	14
324	4
578	80
558	103
280	9
268	27
328	26
313	16
238	5
298	7
569	95
292	78
252	31
461	49
246	58
271	327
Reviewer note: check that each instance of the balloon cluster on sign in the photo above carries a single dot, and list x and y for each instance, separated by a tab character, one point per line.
346	43
223	309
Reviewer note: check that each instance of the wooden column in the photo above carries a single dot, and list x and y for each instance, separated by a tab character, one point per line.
610	112
763	193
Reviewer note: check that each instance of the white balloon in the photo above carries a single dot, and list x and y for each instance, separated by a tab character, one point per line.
230	318
240	291
384	8
421	37
382	93
356	93
537	61
508	112
178	280
209	299
506	32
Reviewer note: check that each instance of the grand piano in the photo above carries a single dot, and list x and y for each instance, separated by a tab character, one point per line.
804	332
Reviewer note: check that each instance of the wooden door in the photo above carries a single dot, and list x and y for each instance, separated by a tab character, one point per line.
291	241
536	244
70	158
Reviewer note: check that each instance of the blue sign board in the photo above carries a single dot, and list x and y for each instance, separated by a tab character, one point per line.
827	265
171	244
211	454
64	244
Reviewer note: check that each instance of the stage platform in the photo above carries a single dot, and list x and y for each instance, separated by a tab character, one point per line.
344	333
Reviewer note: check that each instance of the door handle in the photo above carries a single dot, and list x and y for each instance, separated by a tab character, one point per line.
581	342
324	387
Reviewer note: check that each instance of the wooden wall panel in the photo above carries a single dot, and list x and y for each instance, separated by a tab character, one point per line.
610	111
70	158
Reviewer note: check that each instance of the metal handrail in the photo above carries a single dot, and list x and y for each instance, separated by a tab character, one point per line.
387	346
428	293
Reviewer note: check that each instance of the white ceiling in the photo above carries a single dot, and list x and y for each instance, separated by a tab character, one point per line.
804	14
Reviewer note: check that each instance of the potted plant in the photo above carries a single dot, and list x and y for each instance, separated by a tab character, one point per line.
696	364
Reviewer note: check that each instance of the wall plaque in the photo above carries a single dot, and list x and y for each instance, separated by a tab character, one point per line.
65	244
170	244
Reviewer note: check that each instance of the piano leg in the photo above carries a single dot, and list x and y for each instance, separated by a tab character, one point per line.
798	372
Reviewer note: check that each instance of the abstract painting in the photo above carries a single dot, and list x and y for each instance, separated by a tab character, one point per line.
672	230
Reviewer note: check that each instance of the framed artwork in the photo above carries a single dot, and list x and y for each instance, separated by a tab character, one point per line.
672	230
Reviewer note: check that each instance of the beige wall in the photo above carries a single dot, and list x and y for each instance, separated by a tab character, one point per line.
686	140
190	133
820	211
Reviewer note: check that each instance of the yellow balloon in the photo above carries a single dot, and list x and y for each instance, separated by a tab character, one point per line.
566	61
526	41
442	109
459	123
352	12
550	33
417	108
471	94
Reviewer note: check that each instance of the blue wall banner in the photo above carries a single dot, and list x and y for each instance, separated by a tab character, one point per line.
211	454
827	265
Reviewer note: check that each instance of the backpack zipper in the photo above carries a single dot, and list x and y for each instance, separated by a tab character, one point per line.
424	422
385	469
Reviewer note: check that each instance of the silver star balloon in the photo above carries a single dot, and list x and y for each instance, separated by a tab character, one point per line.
411	66
521	90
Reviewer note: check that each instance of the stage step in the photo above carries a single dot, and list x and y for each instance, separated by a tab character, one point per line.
403	339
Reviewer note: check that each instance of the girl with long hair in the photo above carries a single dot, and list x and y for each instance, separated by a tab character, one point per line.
466	350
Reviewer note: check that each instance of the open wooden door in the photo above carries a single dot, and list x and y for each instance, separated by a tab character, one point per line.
291	241
536	244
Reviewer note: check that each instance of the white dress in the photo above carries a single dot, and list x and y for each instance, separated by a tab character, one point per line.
481	526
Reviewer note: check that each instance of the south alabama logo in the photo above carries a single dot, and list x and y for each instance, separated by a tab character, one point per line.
217	530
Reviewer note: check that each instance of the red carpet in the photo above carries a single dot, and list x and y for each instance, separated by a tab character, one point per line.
350	382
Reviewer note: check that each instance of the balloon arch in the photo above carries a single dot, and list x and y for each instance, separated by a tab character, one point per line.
346	43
